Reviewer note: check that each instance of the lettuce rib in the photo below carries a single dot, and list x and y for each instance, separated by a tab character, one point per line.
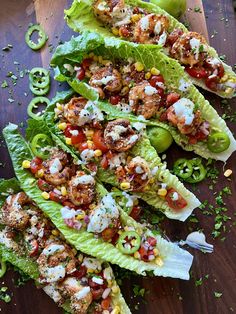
177	262
74	50
80	18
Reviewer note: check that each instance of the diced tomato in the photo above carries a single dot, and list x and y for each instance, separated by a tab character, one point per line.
124	31
143	253
174	36
69	204
221	70
97	293
98	140
79	138
80	73
33	248
69	128
104	162
81	272
35	164
156	79
172	98
178	204
212	67
114	100
106	303
56	197
108	233
152	241
135	213
82	146
197	72
163	117
212	83
44	186
86	63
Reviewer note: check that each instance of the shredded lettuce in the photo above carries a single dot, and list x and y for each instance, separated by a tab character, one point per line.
80	18
72	52
177	262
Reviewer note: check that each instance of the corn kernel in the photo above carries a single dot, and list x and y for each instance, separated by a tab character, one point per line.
40	173
162	192
159	261
139	66
95	58
68	140
155	71
136	202
89	133
100	59
146	188
98	153
115	289
80	216
232	80
229	90
90	144
136	18
92	206
228	173
91	55
109	283
115	31
88	74
152	180
224	78
62	126
45	195
59	106
137	255
116	310
125	185
155	252
90	270
129	158
148	75
26	164
124	90
63	191
106	62
55	232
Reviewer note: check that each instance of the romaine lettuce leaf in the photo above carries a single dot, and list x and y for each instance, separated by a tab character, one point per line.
177	262
172	72
80	18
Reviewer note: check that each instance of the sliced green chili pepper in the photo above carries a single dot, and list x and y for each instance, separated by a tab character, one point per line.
133	241
39	91
39	145
39	77
3	268
218	142
41	40
34	105
183	168
199	172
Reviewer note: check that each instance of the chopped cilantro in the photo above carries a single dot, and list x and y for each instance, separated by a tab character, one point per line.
4	84
198	282
138	291
217	294
4	296
197	10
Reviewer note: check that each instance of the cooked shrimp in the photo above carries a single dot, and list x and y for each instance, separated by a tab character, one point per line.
144	100
150	28
55	261
106	79
190	48
137	173
180	122
56	168
73	108
119	135
80	296
81	188
13	213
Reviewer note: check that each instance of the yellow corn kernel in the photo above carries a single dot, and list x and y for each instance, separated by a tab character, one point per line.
136	18
229	90
228	173
40	173
109	283
26	164
146	188
95	58
125	185
115	289
124	90
136	202
55	232
126	228
152	180
116	310
63	191
68	140
106	62
92	206
89	133
62	126
129	158
224	78
88	74
137	255
90	270
100	59
97	153
159	261
156	252
90	144
162	192
91	55
232	80
148	75
155	71
59	106
119	232
45	195
80	216
115	31
139	66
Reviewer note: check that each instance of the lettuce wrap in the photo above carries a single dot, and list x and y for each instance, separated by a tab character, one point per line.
176	262
73	52
143	149
28	264
80	18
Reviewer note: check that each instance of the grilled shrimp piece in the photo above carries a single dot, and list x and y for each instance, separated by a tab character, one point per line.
13	215
73	108
144	100
149	29
137	173
80	296
119	135
189	49
110	11
56	168
81	188
55	261
180	122
106	79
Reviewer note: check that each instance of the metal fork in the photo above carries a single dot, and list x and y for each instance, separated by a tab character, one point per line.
197	241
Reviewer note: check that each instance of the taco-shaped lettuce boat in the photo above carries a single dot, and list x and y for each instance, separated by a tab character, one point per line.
119	152
87	214
141	81
28	240
146	23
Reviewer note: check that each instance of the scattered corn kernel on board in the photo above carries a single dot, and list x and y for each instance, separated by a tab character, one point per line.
211	288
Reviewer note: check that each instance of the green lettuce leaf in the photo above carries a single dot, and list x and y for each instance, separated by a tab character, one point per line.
177	262
172	72
80	18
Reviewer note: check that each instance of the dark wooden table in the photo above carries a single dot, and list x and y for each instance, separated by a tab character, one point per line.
163	296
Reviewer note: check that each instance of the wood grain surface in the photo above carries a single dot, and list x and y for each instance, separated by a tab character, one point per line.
164	295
